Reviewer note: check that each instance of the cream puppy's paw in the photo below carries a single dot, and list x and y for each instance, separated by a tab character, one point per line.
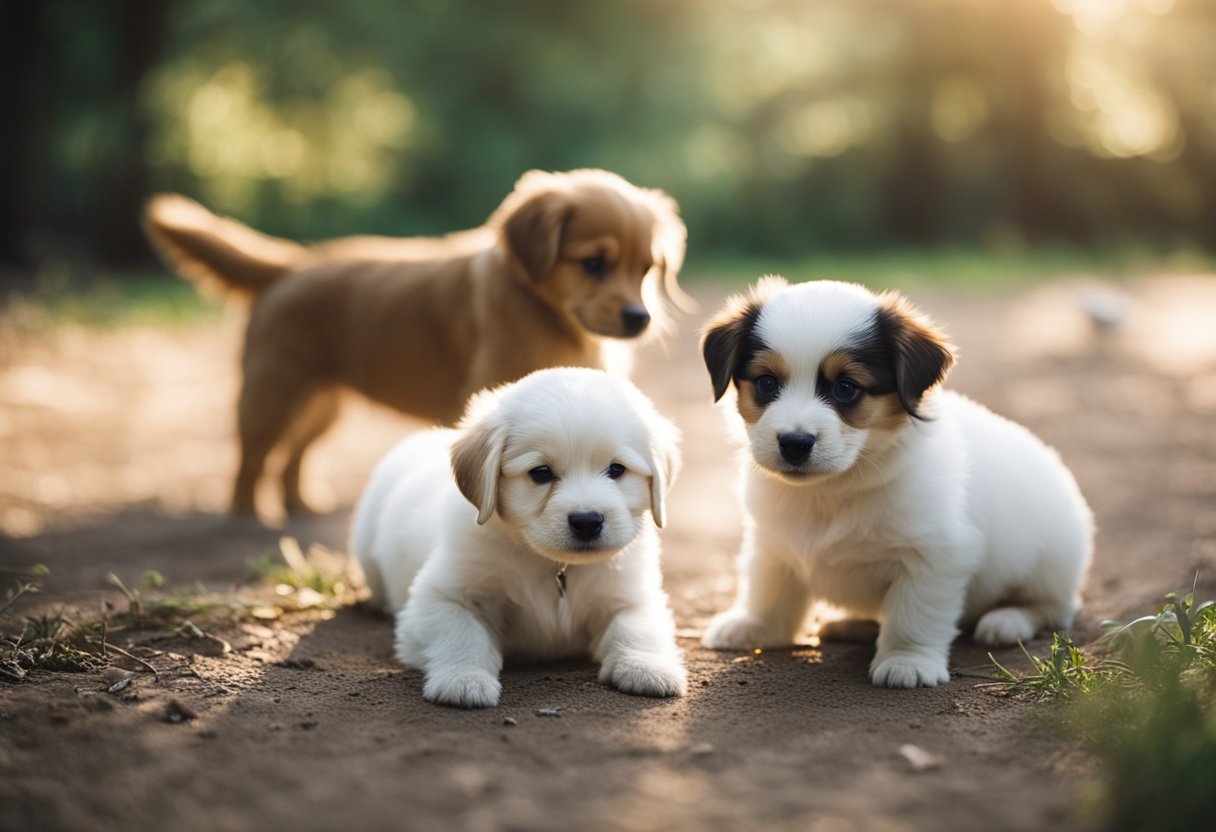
905	669
641	677
1007	625
736	630
462	688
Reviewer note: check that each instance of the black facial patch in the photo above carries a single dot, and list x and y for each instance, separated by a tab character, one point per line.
870	367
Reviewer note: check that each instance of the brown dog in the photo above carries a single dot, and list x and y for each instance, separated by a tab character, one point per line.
422	324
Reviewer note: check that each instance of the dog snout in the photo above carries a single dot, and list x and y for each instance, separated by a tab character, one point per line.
635	318
586	525
795	447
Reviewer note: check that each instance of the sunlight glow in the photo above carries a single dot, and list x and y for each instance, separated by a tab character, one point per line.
223	126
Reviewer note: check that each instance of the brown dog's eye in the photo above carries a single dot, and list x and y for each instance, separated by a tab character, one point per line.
615	471
595	266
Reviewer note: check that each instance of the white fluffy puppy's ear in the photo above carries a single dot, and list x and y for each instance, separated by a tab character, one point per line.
664	461
477	455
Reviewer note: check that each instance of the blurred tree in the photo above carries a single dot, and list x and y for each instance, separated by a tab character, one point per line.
781	126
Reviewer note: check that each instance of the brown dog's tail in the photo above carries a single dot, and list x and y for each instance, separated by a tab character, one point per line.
214	251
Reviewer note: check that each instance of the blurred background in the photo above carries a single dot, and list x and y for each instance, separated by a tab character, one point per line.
785	128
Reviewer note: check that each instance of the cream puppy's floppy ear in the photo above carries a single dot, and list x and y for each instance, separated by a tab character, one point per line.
664	463
724	342
920	354
477	456
532	219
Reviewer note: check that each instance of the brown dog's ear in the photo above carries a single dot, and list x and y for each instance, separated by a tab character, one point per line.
477	462
670	244
726	334
532	219
921	355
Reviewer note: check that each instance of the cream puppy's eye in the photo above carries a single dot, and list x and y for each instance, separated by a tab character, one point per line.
767	389
595	266
844	391
615	471
542	474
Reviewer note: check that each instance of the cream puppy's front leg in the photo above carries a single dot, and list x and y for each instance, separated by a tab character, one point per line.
770	606
637	653
454	647
919	615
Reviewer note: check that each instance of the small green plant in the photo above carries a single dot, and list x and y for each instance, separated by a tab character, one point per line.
1144	697
1065	672
318	578
1179	639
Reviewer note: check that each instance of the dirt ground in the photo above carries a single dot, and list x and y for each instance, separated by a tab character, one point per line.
117	451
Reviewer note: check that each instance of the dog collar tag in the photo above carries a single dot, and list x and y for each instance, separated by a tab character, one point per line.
560	577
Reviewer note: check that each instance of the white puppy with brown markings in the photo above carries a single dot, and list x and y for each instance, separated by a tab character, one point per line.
542	546
871	489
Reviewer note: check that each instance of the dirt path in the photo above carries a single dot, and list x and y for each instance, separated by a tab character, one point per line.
117	452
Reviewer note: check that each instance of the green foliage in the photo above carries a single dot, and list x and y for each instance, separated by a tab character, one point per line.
108	301
1145	700
782	128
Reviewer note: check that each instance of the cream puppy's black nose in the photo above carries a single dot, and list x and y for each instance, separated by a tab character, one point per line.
586	525
795	447
635	317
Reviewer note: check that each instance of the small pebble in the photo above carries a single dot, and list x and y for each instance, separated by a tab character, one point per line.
507	720
548	711
177	711
919	758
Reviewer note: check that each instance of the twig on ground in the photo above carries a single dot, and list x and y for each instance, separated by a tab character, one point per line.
133	658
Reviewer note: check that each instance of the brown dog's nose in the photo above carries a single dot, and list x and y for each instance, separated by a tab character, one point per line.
635	317
586	525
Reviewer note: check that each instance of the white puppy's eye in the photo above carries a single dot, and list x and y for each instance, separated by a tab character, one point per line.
542	474
615	471
845	391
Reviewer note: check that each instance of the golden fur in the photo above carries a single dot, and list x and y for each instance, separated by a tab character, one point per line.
421	324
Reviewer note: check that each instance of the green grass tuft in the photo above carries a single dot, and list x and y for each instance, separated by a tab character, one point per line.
1144	698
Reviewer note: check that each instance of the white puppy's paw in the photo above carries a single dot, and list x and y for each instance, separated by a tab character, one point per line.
642	677
462	688
1006	625
736	630
902	669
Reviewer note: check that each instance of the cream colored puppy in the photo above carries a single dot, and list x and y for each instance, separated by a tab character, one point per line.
540	546
869	488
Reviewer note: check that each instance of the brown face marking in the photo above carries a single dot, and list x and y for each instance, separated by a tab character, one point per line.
878	407
883	412
764	362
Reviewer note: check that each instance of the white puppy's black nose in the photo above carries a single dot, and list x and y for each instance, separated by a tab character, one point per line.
635	317
795	447
586	525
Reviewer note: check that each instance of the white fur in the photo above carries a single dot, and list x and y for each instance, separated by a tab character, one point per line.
468	594
964	518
